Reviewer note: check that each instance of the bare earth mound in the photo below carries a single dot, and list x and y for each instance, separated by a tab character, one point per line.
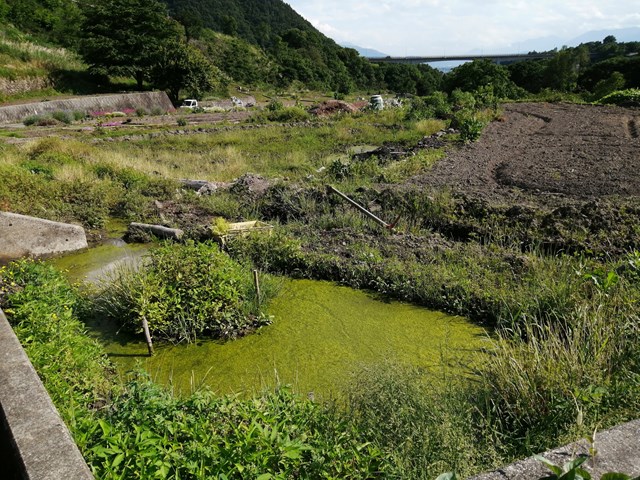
574	151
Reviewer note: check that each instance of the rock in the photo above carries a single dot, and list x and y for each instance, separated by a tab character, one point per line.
203	187
159	231
23	236
250	184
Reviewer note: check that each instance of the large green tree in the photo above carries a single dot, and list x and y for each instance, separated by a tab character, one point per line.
182	66
126	37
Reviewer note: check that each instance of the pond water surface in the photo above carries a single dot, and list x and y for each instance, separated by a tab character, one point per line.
321	334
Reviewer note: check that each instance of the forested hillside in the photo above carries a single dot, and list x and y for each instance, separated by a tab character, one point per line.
257	21
193	47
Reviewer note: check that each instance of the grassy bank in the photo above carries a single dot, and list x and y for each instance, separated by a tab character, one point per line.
559	286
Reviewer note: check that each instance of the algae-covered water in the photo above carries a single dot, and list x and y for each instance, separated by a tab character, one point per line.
95	265
321	334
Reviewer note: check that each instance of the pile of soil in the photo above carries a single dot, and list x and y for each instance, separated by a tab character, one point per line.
332	107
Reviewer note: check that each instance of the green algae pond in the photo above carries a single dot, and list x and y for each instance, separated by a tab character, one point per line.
321	334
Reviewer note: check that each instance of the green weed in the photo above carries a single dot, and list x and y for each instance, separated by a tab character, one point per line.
186	291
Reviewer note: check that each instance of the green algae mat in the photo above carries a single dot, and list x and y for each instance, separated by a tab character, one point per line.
321	334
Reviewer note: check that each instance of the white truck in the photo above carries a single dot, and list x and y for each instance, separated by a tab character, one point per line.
190	103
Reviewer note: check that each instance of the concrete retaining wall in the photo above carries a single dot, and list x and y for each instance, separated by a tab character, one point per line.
42	447
22	236
88	104
618	450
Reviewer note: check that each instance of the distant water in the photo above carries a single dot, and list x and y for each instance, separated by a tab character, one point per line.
446	67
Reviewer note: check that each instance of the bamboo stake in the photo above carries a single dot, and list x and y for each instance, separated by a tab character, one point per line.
147	335
256	281
362	209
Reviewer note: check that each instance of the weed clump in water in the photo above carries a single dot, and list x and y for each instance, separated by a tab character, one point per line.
185	291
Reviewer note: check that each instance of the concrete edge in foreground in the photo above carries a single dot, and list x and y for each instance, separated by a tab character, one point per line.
617	450
44	448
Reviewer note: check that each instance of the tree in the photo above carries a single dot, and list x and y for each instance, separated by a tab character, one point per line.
470	76
564	68
181	66
528	74
190	20
126	37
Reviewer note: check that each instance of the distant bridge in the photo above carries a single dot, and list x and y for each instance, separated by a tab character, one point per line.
500	58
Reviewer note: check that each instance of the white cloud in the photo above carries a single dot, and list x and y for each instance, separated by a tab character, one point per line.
415	27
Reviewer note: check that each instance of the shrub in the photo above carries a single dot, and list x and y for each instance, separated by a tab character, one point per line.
141	112
435	105
157	111
274	105
470	129
39	121
627	98
461	100
289	114
30	120
63	117
182	122
186	291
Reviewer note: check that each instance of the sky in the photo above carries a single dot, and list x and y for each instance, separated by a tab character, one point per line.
446	27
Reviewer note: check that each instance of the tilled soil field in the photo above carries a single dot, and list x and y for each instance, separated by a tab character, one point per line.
573	151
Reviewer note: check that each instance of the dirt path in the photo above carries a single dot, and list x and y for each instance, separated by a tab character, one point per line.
574	151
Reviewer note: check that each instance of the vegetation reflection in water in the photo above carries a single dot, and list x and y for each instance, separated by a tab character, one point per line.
321	333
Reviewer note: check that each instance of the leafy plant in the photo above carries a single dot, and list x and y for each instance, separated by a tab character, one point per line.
185	291
569	471
39	121
630	97
63	116
471	129
275	105
220	227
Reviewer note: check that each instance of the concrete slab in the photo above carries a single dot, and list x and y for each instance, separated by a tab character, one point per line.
43	447
618	450
22	236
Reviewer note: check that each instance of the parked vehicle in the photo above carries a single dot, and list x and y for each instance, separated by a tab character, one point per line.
190	103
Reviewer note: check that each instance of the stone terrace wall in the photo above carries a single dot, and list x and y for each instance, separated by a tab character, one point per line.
96	103
20	85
